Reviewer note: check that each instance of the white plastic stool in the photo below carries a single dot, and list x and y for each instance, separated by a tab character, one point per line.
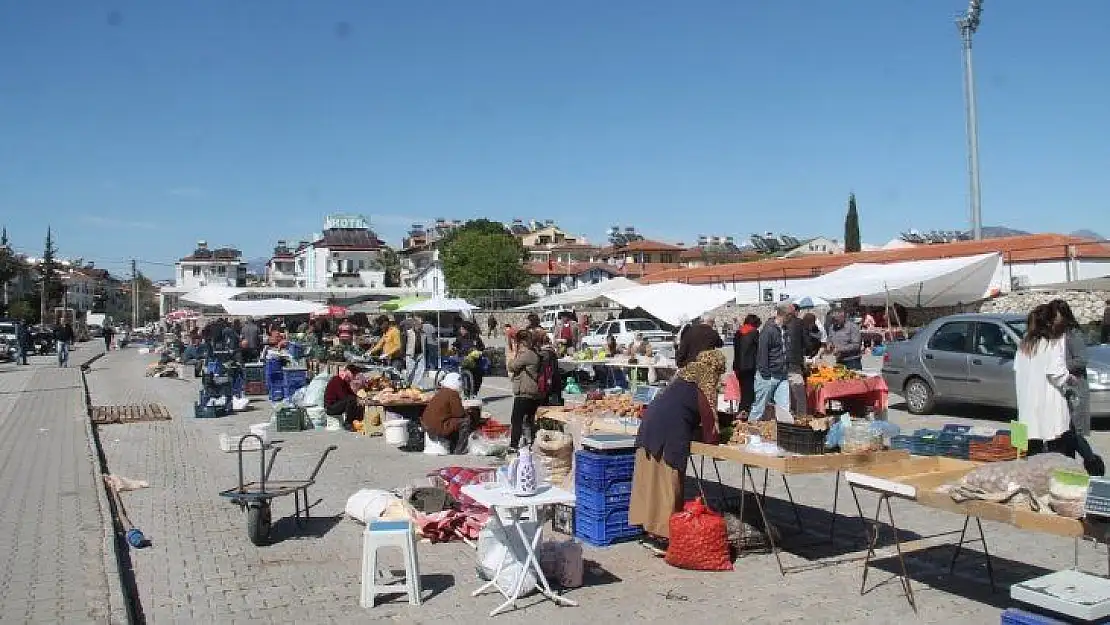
381	534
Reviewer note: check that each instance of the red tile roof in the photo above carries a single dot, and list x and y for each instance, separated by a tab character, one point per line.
642	245
1020	249
577	269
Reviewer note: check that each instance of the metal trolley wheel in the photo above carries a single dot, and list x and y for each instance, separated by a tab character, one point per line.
259	522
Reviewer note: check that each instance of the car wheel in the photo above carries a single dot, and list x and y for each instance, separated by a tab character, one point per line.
919	396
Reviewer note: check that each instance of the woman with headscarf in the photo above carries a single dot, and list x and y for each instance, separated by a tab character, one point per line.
684	412
1042	380
445	417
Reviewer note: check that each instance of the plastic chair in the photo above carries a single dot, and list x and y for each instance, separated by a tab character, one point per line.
381	534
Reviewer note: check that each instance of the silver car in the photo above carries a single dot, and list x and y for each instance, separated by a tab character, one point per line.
969	359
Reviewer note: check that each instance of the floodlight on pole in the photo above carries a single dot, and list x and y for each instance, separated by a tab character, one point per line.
968	25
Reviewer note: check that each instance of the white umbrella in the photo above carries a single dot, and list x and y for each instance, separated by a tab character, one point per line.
811	302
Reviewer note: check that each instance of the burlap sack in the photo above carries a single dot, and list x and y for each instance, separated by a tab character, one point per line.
556	451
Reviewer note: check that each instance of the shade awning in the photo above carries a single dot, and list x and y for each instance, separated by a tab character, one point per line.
673	303
270	307
212	295
582	295
439	304
921	283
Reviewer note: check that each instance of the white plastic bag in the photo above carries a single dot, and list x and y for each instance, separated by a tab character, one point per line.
368	504
314	392
493	545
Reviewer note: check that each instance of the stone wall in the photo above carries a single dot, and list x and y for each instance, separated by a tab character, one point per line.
1087	305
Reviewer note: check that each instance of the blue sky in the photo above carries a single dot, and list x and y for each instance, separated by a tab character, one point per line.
135	128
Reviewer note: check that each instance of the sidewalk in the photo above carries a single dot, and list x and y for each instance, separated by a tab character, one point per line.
56	565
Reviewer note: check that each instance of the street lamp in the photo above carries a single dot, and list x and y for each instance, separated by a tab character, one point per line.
968	25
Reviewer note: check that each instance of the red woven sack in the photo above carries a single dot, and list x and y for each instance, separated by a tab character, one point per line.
699	539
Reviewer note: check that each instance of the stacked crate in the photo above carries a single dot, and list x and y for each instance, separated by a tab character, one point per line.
603	490
294	380
254	379
275	378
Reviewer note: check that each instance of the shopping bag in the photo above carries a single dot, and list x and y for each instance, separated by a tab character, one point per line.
699	539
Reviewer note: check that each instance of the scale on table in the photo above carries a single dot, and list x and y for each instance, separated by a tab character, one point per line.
608	442
1098	498
1073	593
644	394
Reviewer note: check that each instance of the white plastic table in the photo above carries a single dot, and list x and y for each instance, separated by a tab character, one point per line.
497	499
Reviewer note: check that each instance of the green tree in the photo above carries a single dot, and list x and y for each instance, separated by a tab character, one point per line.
851	227
482	255
389	263
50	280
24	311
10	264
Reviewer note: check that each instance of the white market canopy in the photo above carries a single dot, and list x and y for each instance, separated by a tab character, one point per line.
439	304
270	307
583	294
212	295
919	283
673	303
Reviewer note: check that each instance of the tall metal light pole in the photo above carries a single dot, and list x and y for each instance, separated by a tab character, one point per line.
968	24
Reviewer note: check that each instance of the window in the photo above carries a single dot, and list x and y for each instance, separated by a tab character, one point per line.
196	271
221	270
361	265
640	325
666	258
768	296
614	328
603	328
954	336
783	297
992	340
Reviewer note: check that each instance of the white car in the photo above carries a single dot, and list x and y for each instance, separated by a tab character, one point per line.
625	331
550	318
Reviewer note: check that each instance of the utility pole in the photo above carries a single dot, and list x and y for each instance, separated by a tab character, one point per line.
134	295
968	25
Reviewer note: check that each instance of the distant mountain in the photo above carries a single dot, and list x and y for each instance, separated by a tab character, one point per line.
998	232
1087	234
257	266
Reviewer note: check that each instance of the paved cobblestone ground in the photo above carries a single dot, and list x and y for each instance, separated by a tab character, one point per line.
201	567
54	567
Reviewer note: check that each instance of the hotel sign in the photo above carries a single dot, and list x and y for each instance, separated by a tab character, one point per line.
346	222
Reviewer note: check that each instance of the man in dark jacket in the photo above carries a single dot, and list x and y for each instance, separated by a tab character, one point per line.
23	341
251	334
63	335
796	362
698	337
771	364
745	347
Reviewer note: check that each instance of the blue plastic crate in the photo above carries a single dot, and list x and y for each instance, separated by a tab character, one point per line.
1014	616
277	393
955	428
603	530
204	411
298	377
601	469
615	496
295	350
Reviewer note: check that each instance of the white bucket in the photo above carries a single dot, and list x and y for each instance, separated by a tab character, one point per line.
262	430
397	432
435	446
318	416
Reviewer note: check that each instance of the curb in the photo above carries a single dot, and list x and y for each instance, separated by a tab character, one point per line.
118	601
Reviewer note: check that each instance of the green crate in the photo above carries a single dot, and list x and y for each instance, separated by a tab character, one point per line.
289	419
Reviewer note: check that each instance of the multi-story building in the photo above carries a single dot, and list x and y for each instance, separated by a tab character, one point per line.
211	267
421	267
345	255
281	268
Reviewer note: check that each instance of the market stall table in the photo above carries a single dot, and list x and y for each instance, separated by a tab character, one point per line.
917	480
498	499
872	390
621	362
784	463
